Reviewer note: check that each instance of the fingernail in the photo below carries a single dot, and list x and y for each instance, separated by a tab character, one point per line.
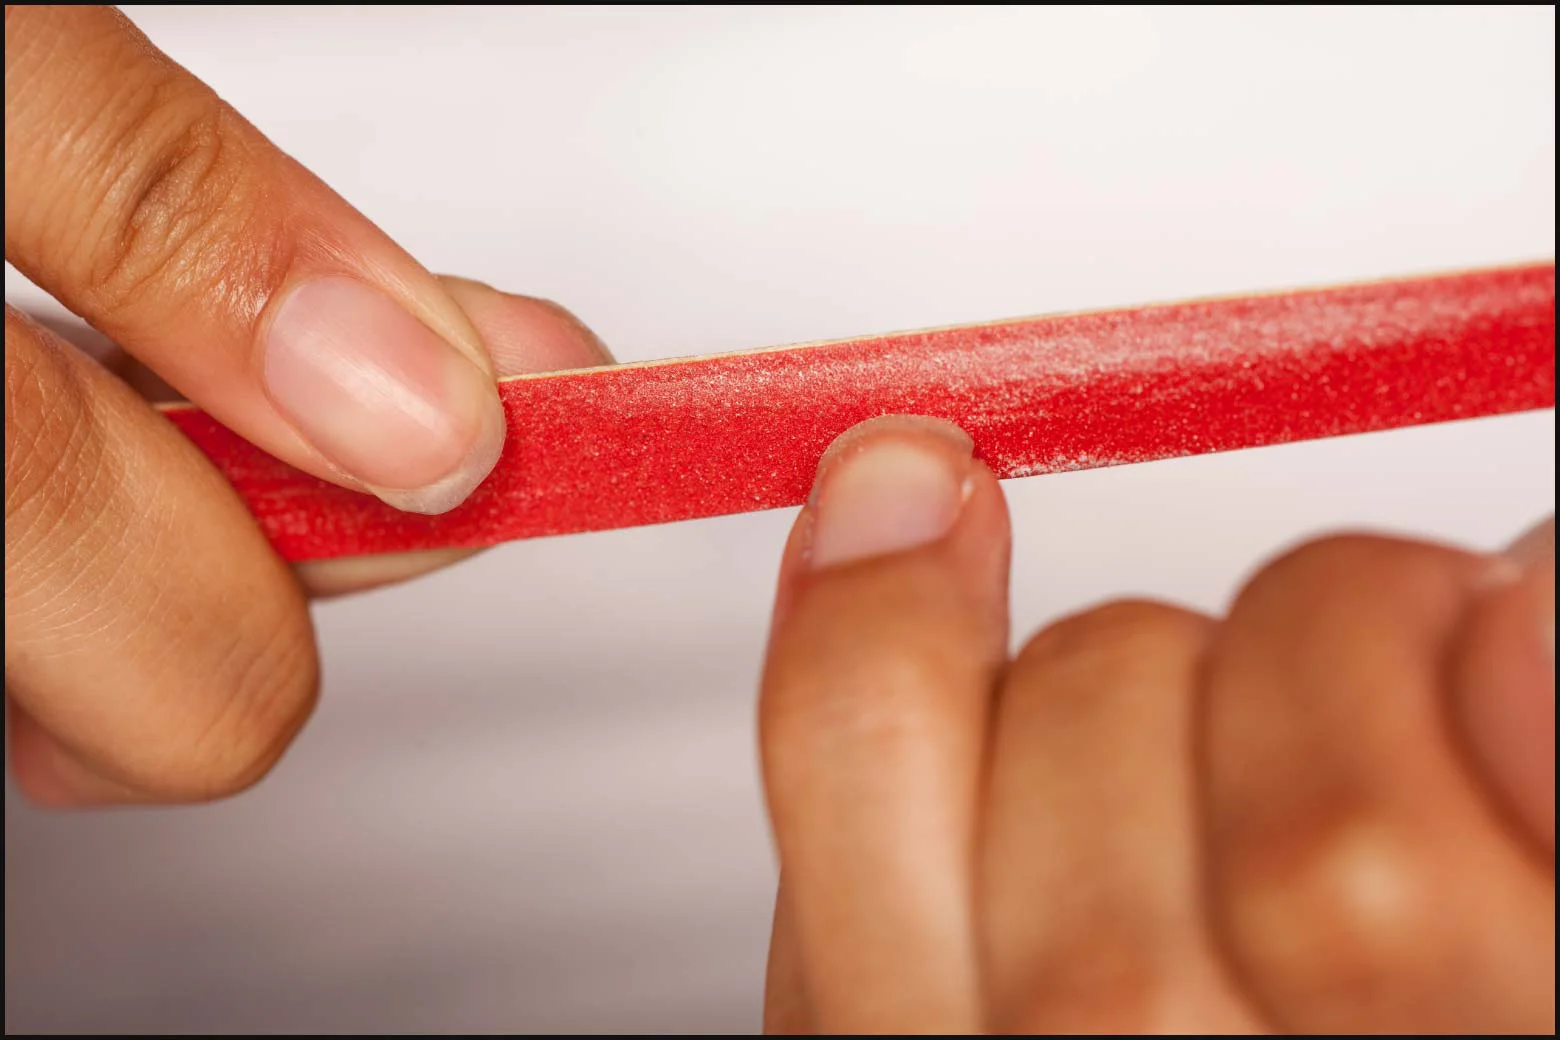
887	487
381	396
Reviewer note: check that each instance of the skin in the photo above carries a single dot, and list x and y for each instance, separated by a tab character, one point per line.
156	649
1331	809
1307	815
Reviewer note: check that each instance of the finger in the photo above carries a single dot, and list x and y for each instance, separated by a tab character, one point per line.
872	722
105	352
1503	694
523	334
149	207
1091	873
155	647
1361	881
786	1009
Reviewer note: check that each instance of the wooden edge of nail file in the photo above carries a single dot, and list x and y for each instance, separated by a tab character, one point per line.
649	443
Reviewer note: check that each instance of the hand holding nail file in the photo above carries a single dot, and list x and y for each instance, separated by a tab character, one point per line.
650	443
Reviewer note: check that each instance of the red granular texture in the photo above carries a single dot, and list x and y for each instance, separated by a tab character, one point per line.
651	443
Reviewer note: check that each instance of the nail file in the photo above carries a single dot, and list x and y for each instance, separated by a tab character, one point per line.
649	443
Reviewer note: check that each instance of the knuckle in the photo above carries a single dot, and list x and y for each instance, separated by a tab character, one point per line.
26	408
269	684
180	204
1330	911
1343	566
95	574
872	705
1124	632
867	710
1333	553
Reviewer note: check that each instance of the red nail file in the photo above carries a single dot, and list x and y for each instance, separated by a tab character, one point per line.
650	443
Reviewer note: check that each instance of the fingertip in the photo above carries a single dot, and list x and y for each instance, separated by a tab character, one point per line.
912	428
483	411
392	404
888	485
901	438
525	334
521	335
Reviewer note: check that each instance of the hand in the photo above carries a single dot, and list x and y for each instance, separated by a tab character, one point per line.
1331	810
156	649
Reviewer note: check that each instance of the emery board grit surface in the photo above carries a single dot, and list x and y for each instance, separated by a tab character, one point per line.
655	442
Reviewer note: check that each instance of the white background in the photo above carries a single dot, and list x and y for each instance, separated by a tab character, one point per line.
529	798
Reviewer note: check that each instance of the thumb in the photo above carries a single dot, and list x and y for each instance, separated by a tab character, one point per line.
1504	685
148	206
523	334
